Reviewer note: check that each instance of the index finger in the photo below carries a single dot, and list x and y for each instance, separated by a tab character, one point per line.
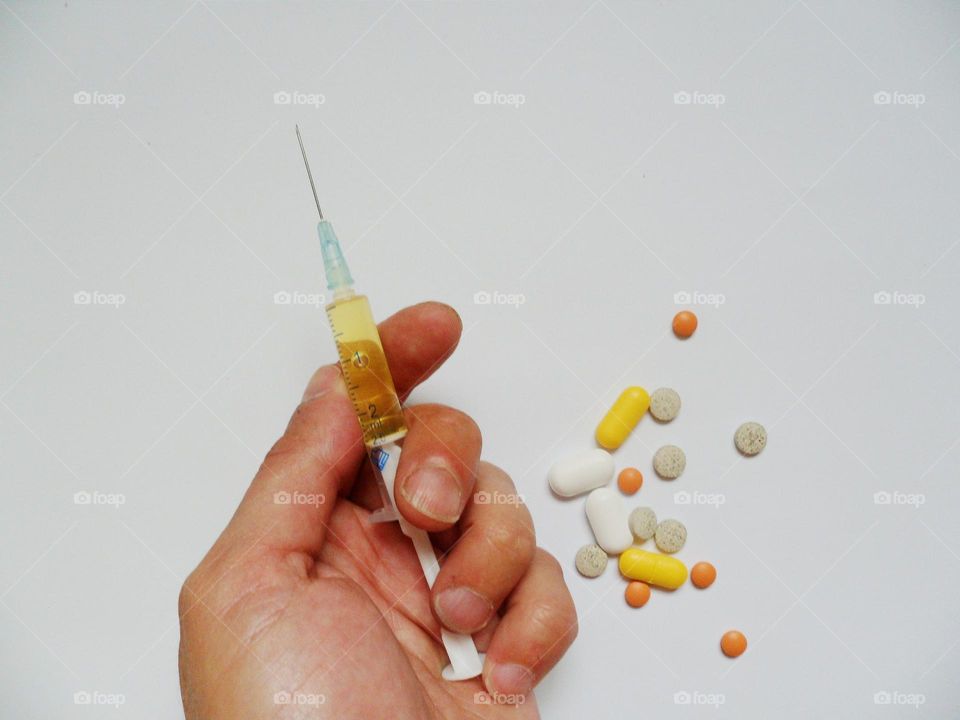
322	449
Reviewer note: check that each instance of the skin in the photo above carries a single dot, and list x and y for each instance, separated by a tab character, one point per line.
310	598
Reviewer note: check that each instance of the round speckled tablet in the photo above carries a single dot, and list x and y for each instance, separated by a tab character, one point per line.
669	462
664	404
591	561
643	523
670	536
750	438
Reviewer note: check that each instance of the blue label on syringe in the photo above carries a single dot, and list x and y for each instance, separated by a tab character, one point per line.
380	458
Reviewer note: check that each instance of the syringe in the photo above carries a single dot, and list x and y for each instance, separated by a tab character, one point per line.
370	388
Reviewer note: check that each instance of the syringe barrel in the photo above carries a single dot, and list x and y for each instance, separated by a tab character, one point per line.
365	371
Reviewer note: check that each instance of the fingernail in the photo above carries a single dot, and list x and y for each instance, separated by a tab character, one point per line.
435	492
463	610
510	679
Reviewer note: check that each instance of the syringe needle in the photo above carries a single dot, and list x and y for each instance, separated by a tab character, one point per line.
309	174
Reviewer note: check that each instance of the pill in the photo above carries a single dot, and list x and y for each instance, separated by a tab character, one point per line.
665	404
750	438
637	593
622	417
581	472
684	323
629	480
733	643
642	523
591	561
608	519
703	574
671	535
650	567
669	462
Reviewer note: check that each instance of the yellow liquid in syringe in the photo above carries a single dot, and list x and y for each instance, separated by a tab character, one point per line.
369	384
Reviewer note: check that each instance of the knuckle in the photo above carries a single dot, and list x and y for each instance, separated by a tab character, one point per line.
444	416
516	541
189	594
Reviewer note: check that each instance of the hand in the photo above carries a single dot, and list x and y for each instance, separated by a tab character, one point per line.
307	601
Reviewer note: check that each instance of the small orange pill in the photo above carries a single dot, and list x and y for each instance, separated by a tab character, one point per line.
630	479
702	575
637	594
733	643
684	323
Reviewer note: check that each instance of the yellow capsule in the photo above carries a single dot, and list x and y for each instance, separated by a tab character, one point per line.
622	417
653	568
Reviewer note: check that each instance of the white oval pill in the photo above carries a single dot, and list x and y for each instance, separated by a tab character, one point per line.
576	474
609	520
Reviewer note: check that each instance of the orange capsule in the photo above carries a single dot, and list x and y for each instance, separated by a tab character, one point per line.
684	323
702	575
733	643
630	480
637	594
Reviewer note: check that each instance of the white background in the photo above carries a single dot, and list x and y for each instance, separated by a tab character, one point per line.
597	199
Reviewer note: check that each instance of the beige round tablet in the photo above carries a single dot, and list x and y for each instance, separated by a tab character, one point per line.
643	523
664	404
750	438
670	536
669	462
591	561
